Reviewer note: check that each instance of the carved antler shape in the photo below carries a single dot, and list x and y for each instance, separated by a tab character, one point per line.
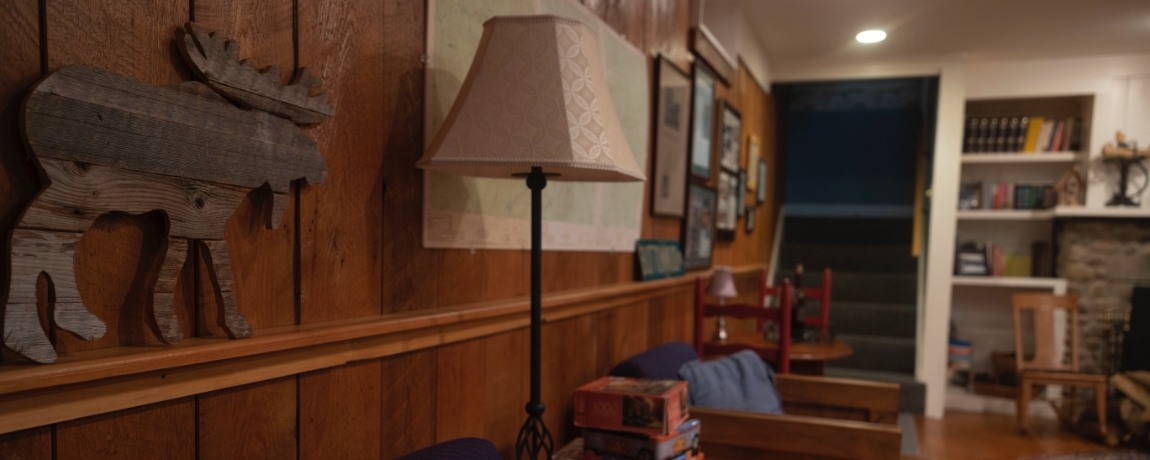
216	62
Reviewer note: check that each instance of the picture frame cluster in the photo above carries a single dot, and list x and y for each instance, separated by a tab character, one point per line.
706	170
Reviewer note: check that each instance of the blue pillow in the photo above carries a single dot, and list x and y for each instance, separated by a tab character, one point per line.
741	381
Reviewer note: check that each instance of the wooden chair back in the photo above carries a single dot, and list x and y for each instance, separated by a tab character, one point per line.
821	294
1043	307
776	353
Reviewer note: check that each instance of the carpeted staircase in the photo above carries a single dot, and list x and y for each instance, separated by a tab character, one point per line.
873	295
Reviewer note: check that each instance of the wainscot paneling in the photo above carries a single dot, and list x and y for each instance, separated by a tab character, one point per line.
366	344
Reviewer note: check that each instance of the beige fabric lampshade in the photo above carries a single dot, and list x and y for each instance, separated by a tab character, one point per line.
723	284
536	95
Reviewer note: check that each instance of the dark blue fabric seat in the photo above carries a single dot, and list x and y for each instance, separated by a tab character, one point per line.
457	449
659	363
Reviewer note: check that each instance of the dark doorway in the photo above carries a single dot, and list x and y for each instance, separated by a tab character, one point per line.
855	156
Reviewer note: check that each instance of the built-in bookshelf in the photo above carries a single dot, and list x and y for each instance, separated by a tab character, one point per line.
1008	206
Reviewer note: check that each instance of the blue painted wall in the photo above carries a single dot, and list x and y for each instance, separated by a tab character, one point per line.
856	142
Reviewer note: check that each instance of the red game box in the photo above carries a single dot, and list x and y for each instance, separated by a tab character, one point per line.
651	407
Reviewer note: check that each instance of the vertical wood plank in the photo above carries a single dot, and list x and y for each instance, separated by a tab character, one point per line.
164	430
33	444
460	412
252	421
621	333
258	420
262	259
569	360
340	412
117	257
409	284
132	38
18	182
508	388
340	221
408	394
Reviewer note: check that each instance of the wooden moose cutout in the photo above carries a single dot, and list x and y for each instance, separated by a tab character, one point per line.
107	143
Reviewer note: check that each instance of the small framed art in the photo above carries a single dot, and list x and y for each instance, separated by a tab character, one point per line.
741	195
727	213
671	122
732	131
702	121
699	227
761	190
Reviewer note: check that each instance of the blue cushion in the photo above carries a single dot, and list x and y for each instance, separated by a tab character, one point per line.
659	363
741	381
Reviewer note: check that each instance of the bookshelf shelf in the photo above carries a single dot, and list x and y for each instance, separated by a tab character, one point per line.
1021	157
1054	284
1006	214
1115	213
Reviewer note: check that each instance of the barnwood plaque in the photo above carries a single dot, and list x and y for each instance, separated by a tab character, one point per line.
106	143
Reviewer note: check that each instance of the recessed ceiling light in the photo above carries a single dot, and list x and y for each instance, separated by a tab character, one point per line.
871	36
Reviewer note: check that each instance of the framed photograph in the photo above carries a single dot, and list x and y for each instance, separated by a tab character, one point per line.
699	228
702	121
753	156
726	213
671	122
741	195
970	196
761	191
732	132
750	221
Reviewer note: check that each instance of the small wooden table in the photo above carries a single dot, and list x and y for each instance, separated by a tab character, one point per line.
806	357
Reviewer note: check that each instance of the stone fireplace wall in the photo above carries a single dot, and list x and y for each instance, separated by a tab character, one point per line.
1103	259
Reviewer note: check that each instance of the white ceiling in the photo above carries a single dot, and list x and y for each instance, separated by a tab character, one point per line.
802	31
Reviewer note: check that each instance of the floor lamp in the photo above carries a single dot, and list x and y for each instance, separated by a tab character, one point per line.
535	104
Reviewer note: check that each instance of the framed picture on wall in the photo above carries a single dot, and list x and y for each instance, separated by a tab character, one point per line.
732	131
761	192
702	121
726	213
753	157
699	227
741	194
672	122
750	221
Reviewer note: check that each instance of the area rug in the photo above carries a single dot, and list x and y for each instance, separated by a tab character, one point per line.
1095	456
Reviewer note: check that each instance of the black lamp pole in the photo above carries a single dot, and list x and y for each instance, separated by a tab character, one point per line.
534	437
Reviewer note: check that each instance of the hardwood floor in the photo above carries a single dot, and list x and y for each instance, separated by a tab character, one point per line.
969	436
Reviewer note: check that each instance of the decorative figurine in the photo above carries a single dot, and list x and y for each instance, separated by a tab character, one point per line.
1070	187
1126	154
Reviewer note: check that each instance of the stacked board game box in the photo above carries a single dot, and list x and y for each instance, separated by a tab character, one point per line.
624	418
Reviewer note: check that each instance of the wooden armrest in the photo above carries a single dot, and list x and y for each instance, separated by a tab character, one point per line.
735	434
811	395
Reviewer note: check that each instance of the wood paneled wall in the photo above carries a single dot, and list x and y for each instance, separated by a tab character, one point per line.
367	345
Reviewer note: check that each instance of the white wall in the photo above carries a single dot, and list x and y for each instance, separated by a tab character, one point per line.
727	23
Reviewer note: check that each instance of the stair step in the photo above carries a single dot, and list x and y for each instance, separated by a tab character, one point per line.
850	257
877	319
884	354
862	286
839	230
911	395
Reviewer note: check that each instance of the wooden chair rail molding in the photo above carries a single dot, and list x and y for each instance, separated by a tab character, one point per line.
97	382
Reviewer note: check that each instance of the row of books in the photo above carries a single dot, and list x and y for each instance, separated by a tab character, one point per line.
1028	134
1007	195
625	418
976	258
